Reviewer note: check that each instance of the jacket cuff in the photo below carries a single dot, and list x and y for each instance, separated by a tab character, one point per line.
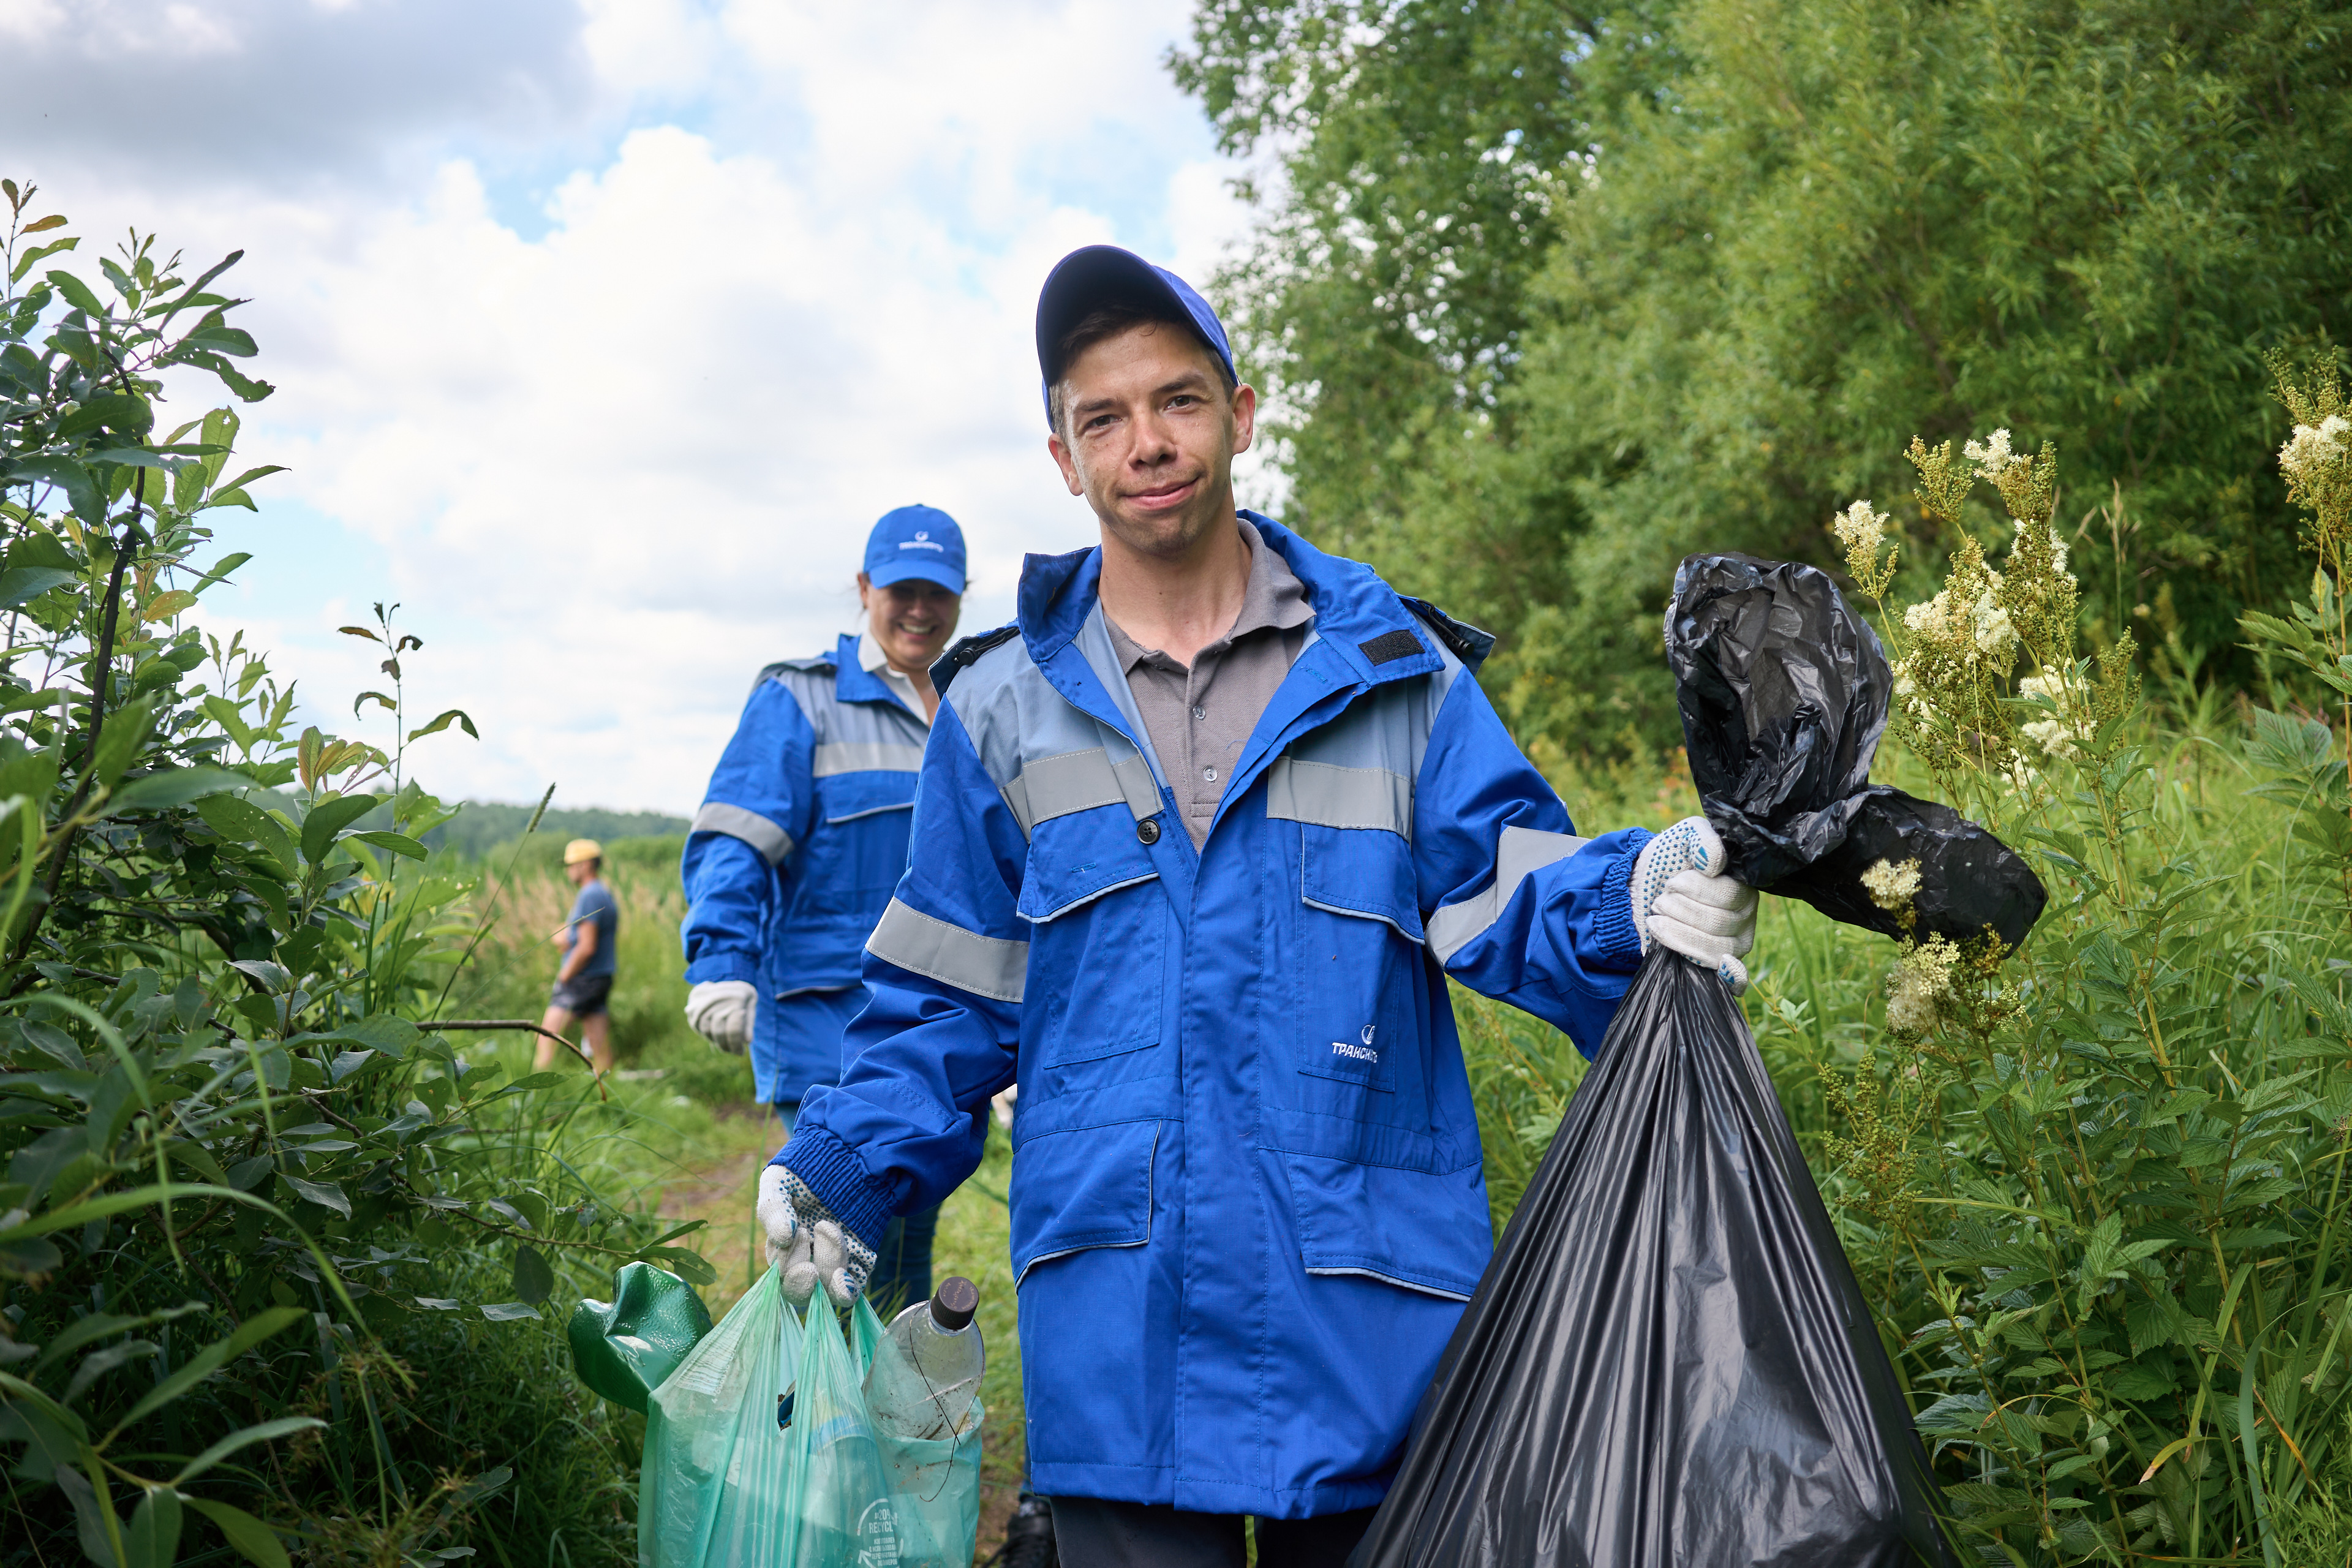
833	1173
723	966
1616	941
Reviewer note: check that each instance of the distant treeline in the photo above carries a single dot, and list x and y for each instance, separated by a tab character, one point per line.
485	824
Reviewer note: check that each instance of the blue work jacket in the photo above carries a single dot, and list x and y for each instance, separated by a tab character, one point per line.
1247	1197
790	860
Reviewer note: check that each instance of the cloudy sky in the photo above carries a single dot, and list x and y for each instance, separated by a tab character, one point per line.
603	328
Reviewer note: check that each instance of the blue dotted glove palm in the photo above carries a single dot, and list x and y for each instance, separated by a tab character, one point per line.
807	1244
1683	900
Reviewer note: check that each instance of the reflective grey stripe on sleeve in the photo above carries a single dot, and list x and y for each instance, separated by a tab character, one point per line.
865	757
984	965
1080	781
1334	796
1523	852
771	841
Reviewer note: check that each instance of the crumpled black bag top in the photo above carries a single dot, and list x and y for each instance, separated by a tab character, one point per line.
1783	691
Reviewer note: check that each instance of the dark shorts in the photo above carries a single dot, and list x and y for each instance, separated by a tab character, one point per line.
583	995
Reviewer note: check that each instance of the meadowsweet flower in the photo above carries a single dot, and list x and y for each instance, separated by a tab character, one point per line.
2313	448
1991	455
1991	625
1892	885
1921	985
2058	735
1860	529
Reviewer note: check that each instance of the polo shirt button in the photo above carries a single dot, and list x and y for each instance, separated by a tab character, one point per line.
1148	831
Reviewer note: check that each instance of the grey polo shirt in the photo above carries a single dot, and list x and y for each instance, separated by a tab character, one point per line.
1200	718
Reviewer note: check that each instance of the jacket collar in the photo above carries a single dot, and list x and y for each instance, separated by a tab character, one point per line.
1354	610
853	683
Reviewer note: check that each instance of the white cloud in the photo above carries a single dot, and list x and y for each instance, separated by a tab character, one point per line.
612	465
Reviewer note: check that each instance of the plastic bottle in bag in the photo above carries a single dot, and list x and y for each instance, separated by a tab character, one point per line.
925	1392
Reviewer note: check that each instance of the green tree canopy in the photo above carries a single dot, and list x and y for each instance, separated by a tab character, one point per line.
1551	298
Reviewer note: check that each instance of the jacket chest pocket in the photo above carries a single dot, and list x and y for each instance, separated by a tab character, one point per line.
1098	938
1360	972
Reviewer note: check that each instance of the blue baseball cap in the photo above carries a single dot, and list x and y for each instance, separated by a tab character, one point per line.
1101	275
915	542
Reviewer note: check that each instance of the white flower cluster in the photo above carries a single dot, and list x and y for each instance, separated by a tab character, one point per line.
1991	455
1892	885
1920	985
2314	447
2057	735
1985	624
1860	530
2057	548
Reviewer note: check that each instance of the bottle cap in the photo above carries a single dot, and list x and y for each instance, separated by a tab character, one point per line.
953	1304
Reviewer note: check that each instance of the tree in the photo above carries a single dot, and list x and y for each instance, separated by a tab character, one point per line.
1797	232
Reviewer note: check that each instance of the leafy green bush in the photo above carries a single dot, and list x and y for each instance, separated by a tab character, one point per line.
273	1253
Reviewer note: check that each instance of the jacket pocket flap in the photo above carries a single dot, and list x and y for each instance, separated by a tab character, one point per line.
1363	871
1424	1230
844	796
1076	858
1087	1187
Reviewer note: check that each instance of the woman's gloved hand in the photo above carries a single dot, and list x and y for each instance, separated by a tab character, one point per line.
1683	900
807	1243
721	1011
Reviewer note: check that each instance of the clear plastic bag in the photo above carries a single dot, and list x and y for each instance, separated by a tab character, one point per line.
936	1482
715	1489
725	1485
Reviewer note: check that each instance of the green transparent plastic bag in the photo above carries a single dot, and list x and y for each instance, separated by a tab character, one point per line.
723	1486
714	1492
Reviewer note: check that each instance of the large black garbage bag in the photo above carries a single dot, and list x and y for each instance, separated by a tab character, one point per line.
1668	1361
1783	691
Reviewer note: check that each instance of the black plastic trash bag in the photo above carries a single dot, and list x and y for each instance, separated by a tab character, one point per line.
1668	1364
1668	1361
1783	691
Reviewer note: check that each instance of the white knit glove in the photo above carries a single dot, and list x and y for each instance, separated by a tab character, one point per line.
807	1243
1683	900
721	1011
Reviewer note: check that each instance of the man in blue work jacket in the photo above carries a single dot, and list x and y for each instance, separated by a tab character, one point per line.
803	835
1199	840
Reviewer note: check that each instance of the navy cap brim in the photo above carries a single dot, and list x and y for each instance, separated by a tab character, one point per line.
1099	275
938	571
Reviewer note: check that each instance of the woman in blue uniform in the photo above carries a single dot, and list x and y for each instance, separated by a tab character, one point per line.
802	835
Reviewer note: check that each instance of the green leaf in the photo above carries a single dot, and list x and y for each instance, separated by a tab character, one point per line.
534	1279
83	494
153	1538
124	733
76	291
243	1438
455	715
22	584
254	1540
330	816
398	843
175	787
221	340
326	1195
509	1311
212	1358
245	822
25	262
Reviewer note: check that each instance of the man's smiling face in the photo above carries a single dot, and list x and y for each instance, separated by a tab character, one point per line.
1148	435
